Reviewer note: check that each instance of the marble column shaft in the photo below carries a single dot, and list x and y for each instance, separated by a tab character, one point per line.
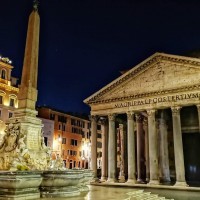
153	147
139	125
112	149
94	145
178	147
122	160
164	156
145	125
104	170
131	148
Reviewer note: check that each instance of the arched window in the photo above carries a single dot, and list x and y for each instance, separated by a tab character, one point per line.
3	74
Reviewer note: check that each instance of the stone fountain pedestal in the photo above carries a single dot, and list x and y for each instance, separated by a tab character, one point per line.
20	185
61	183
66	183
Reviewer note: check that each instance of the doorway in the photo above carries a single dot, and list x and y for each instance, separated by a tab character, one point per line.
191	148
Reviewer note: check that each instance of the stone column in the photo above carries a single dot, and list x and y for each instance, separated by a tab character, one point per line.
122	161
112	149
94	145
198	109
145	126
104	169
131	148
178	147
139	125
153	148
164	156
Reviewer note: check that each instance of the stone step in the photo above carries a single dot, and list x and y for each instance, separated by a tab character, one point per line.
141	195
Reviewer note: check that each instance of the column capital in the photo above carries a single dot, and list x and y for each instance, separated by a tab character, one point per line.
139	118
111	117
130	115
145	121
151	112
198	106
175	110
93	118
103	120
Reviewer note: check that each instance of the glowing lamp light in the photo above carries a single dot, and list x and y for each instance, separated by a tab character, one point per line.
59	139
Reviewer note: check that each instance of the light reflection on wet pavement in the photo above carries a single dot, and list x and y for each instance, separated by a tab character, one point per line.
120	193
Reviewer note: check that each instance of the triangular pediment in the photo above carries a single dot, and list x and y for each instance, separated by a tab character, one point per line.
159	73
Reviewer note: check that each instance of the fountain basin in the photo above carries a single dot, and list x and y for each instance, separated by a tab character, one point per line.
61	183
20	185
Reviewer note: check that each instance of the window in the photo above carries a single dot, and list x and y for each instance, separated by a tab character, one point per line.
10	114
73	122
1	99
62	119
74	142
52	116
88	125
0	112
99	145
12	102
98	127
3	74
64	141
46	140
63	127
59	127
99	135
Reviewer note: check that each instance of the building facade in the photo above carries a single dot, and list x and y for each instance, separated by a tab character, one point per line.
158	104
8	93
48	132
71	138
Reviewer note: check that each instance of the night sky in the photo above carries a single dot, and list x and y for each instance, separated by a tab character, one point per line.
85	44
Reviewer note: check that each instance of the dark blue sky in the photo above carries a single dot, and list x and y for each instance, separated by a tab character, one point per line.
84	44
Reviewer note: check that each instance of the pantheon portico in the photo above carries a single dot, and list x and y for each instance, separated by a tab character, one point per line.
159	100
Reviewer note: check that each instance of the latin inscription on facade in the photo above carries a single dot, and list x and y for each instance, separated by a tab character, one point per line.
172	98
33	140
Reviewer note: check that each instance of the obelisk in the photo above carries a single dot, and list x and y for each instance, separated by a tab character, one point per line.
28	89
23	142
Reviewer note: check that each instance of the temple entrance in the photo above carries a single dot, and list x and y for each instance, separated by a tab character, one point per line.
191	147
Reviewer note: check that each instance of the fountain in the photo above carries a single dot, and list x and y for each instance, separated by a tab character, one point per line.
27	171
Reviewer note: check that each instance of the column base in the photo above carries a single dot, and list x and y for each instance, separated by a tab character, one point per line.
111	180
140	181
131	181
181	184
94	180
103	179
147	180
121	179
153	182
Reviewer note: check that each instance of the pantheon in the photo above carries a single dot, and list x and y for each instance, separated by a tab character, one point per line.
157	104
